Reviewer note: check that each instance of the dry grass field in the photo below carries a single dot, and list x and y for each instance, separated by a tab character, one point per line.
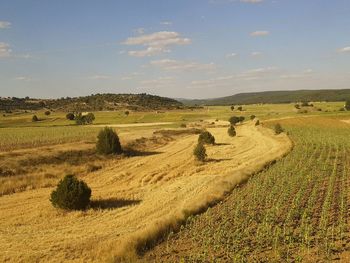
134	199
156	186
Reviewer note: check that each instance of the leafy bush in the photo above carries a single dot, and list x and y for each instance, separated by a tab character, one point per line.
232	108
108	142
347	105
231	131
35	118
127	113
71	194
70	116
278	129
252	117
47	113
240	108
206	137
81	119
234	120
257	123
199	152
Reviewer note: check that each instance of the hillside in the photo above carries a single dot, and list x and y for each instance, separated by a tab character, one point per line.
97	102
275	97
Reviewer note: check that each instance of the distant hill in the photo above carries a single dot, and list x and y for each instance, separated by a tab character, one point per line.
275	97
97	102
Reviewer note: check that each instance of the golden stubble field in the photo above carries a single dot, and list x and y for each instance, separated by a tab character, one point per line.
135	198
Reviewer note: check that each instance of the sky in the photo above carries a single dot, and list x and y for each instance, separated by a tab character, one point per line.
172	48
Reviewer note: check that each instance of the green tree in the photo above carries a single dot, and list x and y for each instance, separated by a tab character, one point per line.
234	120
89	118
108	142
35	118
200	152
278	128
347	105
206	138
71	194
231	131
70	116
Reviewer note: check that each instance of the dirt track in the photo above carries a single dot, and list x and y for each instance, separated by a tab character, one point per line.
159	187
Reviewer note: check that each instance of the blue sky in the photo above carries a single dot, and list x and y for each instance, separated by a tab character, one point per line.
182	48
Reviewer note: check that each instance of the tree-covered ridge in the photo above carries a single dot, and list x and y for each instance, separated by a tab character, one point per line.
276	97
92	103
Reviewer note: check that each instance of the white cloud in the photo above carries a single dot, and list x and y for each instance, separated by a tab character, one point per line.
344	50
23	78
230	80
99	77
5	50
256	54
5	24
166	23
305	74
231	55
150	51
155	43
260	33
178	65
158	83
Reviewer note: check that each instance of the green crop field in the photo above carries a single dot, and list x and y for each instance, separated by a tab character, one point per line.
297	210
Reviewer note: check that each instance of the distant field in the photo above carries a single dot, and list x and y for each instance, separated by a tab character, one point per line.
18	131
295	211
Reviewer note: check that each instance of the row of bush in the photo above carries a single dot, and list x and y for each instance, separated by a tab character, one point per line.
74	194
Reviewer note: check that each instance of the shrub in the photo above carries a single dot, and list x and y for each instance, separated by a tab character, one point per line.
199	152
71	194
127	113
347	105
240	108
231	131
232	108
234	120
297	106
183	125
241	119
206	137
341	109
252	117
81	119
90	117
257	123
108	142
278	129
70	116
47	113
35	118
93	168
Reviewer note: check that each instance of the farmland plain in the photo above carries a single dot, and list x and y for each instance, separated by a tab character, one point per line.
297	208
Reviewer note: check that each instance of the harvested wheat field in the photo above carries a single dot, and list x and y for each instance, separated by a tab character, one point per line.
135	199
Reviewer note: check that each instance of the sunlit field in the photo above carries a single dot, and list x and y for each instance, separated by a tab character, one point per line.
295	211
